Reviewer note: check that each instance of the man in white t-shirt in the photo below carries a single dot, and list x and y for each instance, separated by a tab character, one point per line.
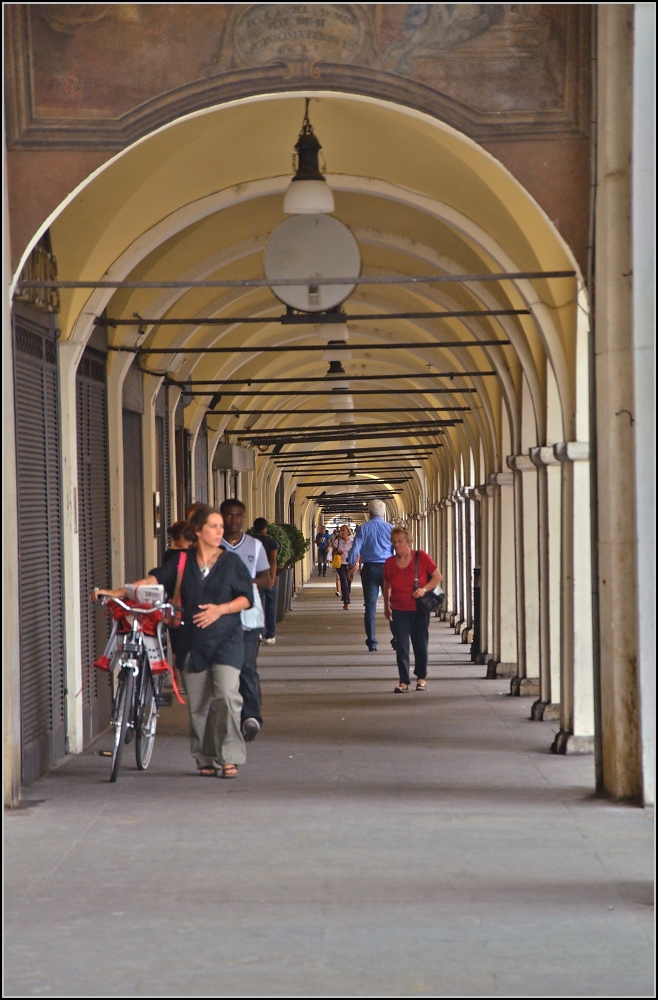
253	555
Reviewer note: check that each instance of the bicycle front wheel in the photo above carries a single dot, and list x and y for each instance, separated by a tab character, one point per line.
148	720
120	717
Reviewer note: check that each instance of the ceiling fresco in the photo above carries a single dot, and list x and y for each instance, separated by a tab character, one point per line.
98	76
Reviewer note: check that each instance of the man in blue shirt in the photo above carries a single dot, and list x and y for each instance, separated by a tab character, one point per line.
372	543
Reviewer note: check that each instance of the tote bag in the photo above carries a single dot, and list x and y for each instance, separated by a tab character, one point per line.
253	617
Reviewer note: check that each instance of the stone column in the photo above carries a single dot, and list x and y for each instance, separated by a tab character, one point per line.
467	574
527	573
483	497
621	770
643	226
69	358
576	733
11	661
453	597
504	660
548	705
150	460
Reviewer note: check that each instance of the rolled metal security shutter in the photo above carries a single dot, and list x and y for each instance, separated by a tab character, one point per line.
93	533
133	497
43	708
201	464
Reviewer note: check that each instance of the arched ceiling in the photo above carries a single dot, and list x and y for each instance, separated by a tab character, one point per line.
198	199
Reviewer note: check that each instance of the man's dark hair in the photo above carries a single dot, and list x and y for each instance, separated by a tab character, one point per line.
231	502
260	523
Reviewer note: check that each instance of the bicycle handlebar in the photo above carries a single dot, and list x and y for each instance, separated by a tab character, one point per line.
104	598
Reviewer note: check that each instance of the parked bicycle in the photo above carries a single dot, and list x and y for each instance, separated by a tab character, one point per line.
136	661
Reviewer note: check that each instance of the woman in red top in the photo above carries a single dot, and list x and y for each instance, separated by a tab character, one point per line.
408	622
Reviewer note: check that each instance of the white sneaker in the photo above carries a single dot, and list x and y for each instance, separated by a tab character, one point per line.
250	729
269	642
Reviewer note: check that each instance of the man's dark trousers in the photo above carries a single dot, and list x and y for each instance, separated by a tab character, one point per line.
268	600
322	562
372	577
412	625
249	679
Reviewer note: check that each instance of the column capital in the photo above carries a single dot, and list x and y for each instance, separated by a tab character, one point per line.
501	478
571	451
521	463
543	456
484	490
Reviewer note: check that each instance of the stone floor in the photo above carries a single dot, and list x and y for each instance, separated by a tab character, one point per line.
374	845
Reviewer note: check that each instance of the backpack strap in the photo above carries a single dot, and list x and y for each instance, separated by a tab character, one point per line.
416	584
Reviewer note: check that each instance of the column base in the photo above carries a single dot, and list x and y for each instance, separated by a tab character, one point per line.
545	711
480	658
524	687
567	743
496	669
467	636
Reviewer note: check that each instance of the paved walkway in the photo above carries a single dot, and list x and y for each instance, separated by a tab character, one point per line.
374	845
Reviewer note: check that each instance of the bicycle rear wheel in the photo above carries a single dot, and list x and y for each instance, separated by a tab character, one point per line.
146	725
120	717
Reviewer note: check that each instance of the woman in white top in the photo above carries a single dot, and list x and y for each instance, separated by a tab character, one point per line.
342	548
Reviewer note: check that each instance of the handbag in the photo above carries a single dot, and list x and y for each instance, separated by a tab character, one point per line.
429	602
174	619
337	561
253	617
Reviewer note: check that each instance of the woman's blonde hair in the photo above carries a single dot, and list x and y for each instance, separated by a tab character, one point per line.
349	530
401	530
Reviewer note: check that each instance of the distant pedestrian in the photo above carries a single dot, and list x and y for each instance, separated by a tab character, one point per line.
322	540
177	539
252	554
179	543
372	546
410	621
342	550
269	594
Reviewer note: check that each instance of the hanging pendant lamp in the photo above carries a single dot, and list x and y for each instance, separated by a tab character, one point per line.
308	193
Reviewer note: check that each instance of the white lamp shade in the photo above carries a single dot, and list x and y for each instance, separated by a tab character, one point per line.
308	198
339	355
343	402
327	332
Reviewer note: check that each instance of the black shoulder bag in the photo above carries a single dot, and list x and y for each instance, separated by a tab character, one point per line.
429	602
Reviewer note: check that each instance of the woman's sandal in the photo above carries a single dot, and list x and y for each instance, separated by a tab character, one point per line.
421	685
401	689
208	772
229	771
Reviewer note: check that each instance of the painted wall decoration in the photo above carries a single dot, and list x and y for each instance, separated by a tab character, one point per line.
97	76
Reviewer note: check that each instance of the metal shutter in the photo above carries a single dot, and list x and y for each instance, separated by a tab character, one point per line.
183	493
163	468
201	464
133	497
93	534
43	718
